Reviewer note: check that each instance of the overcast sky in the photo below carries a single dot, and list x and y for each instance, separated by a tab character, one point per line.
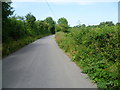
87	12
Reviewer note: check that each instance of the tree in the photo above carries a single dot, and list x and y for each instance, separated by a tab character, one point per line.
42	27
63	24
30	19
16	29
22	18
63	21
30	24
57	28
51	24
7	10
108	23
83	25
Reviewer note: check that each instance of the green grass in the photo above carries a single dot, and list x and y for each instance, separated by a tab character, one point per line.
95	51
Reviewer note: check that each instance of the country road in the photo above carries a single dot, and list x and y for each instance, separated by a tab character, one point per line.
42	64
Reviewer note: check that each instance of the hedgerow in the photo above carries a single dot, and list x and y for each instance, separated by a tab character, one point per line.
18	31
95	50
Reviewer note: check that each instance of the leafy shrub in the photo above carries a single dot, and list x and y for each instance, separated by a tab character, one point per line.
95	50
19	31
8	48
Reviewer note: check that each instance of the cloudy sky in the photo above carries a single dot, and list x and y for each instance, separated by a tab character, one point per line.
87	12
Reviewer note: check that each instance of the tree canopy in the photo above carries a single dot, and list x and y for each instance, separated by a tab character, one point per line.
7	10
62	25
51	24
62	21
30	18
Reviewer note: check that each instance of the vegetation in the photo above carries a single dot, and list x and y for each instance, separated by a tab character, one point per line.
96	50
22	30
62	25
51	24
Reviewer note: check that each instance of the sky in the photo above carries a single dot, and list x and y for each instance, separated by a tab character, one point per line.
89	12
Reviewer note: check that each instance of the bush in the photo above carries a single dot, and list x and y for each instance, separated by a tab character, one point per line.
95	50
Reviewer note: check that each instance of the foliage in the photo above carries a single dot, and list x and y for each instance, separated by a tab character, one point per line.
19	30
62	21
62	25
108	23
12	46
7	10
51	24
30	19
96	50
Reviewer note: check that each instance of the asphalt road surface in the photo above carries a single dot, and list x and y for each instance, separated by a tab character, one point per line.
42	64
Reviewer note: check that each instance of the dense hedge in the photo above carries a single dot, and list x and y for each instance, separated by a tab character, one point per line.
10	47
18	31
95	50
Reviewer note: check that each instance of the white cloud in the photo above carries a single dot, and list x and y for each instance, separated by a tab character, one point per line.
81	2
66	1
